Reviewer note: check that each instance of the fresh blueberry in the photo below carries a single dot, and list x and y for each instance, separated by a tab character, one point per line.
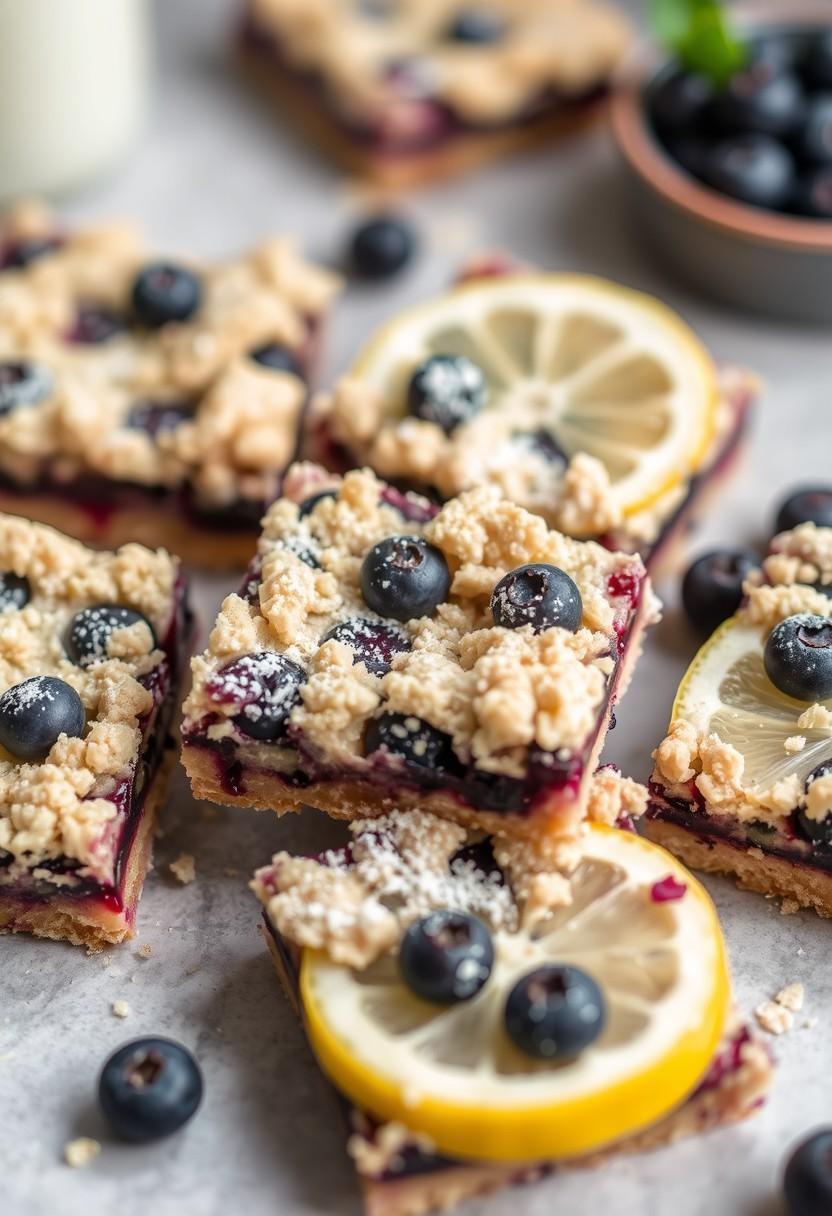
374	643
447	390
539	595
712	587
412	740
22	382
817	64
277	358
35	713
808	505
21	253
304	552
555	1012
761	99
446	957
544	444
752	168
679	101
814	141
817	831
798	657
381	247
478	26
156	417
265	685
164	292
15	591
93	325
309	504
812	195
149	1088
807	1181
404	577
90	629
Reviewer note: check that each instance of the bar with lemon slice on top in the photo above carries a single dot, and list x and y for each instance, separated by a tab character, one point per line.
742	783
590	404
486	1020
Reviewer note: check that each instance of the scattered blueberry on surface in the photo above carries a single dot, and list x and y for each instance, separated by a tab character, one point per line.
90	630
807	1180
404	577
94	324
554	1012
308	505
374	643
35	713
712	587
446	957
539	595
157	417
809	504
477	26
149	1088
755	169
22	382
798	657
817	831
412	740
277	358
265	685
382	246
164	292
15	591
447	390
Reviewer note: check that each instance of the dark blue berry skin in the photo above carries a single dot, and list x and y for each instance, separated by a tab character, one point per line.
555	1013
35	713
405	578
447	390
412	740
752	168
22	253
277	358
812	195
164	292
679	101
94	325
90	630
446	957
308	505
381	247
712	587
149	1088
817	831
477	26
157	417
539	595
809	504
816	68
544	444
760	99
15	591
807	1181
373	643
267	687
798	657
814	141
22	382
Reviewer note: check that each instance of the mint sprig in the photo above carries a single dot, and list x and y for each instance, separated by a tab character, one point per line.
699	34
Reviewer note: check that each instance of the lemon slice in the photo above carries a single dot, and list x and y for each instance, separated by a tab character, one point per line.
605	370
726	691
452	1074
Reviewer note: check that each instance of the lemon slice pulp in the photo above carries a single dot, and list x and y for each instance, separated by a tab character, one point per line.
726	691
453	1075
604	370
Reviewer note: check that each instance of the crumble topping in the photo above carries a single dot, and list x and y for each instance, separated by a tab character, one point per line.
61	806
569	46
237	420
803	555
495	691
614	796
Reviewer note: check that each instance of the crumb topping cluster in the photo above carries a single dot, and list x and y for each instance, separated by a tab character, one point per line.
237	420
568	46
495	691
59	808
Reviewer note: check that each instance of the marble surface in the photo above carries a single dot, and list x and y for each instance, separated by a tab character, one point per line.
214	172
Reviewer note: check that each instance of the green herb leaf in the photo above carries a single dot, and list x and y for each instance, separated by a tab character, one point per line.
700	35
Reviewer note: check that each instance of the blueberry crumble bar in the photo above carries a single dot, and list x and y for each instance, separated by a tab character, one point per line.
594	406
383	651
147	400
742	783
408	90
398	949
92	647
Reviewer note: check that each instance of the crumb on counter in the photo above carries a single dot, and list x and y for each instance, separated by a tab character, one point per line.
80	1152
774	1018
789	907
184	868
145	950
120	1009
791	997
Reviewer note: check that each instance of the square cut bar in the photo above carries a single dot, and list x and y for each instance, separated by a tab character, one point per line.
410	92
149	400
307	696
76	821
336	903
760	811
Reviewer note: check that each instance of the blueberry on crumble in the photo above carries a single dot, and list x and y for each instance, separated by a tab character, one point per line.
447	390
404	577
35	713
374	643
22	382
539	595
15	590
90	631
381	247
164	292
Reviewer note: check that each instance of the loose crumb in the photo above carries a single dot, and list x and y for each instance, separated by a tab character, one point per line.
800	952
81	1152
145	950
774	1018
789	907
184	868
794	743
121	1009
791	997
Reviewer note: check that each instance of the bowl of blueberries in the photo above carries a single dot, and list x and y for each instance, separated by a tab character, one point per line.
728	145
